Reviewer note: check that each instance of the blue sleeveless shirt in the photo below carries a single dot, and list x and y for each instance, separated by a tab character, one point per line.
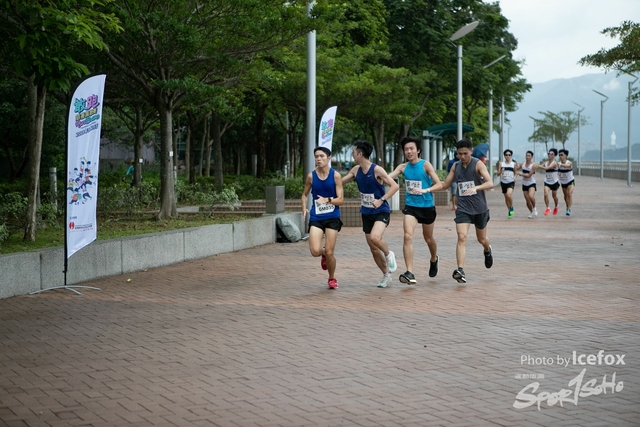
370	189
416	177
324	188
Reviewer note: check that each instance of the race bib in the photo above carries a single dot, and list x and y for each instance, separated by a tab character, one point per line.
563	175
464	186
366	200
411	184
507	176
550	176
324	208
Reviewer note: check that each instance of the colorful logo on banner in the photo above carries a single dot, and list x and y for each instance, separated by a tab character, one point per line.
327	126
86	111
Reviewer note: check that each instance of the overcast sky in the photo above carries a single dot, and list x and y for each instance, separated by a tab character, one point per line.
554	34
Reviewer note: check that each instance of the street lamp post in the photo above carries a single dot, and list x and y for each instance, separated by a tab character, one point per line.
579	111
459	34
601	149
489	153
534	132
629	131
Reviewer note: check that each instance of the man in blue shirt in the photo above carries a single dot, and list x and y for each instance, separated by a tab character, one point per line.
420	180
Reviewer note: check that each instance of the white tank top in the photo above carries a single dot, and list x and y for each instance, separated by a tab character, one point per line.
565	173
532	179
550	176
508	172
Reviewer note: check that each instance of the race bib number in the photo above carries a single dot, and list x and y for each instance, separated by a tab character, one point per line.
550	176
507	176
464	186
563	175
366	200
411	185
324	208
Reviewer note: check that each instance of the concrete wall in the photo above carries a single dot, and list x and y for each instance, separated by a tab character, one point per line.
26	272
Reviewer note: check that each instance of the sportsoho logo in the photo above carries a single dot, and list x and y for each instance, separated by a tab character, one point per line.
577	387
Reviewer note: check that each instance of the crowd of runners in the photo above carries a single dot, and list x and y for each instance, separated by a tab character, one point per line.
468	179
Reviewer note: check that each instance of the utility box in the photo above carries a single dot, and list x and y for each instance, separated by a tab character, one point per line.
275	199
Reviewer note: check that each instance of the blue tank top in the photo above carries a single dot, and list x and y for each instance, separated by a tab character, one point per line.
323	188
370	189
416	177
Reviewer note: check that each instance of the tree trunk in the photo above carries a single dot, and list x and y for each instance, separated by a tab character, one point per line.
137	149
176	136
378	138
404	131
187	147
261	150
218	163
167	190
209	142
36	105
203	142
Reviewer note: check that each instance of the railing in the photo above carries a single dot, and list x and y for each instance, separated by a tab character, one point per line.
611	169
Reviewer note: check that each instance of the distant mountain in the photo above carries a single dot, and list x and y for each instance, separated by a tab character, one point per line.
558	95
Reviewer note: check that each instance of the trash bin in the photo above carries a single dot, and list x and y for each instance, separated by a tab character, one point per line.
275	199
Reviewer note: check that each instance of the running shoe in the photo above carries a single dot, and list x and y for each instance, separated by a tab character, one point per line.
488	258
555	210
510	214
333	284
408	278
391	262
386	279
546	212
459	275
568	212
535	212
433	267
530	215
323	262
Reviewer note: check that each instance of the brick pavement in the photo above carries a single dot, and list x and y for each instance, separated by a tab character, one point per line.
253	338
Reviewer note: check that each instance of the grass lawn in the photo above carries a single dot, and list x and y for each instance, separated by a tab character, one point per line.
113	228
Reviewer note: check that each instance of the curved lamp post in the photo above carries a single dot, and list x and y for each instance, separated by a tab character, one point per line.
457	35
601	149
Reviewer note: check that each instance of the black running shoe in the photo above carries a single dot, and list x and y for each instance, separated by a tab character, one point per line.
433	267
408	278
488	258
459	275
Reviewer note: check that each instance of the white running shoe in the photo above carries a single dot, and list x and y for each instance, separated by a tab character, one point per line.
386	279
535	212
391	262
530	215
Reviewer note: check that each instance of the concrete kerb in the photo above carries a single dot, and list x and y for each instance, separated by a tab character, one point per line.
26	272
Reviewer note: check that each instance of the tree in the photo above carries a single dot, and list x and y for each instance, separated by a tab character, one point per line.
42	45
556	127
172	47
624	57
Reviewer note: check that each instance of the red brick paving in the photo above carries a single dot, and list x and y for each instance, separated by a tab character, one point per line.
254	338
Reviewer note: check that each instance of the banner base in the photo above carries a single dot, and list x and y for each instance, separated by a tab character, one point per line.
69	288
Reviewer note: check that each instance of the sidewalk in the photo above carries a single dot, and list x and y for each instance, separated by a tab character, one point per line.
254	338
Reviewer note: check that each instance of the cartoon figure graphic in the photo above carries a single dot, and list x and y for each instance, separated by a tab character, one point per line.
79	181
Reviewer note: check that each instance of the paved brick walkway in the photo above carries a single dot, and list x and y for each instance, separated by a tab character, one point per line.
253	338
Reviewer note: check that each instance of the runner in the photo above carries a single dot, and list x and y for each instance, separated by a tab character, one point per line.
565	176
420	180
472	178
374	207
528	174
324	218
507	170
551	181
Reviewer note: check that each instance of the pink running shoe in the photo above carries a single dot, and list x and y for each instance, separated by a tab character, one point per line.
323	262
555	210
546	212
333	284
